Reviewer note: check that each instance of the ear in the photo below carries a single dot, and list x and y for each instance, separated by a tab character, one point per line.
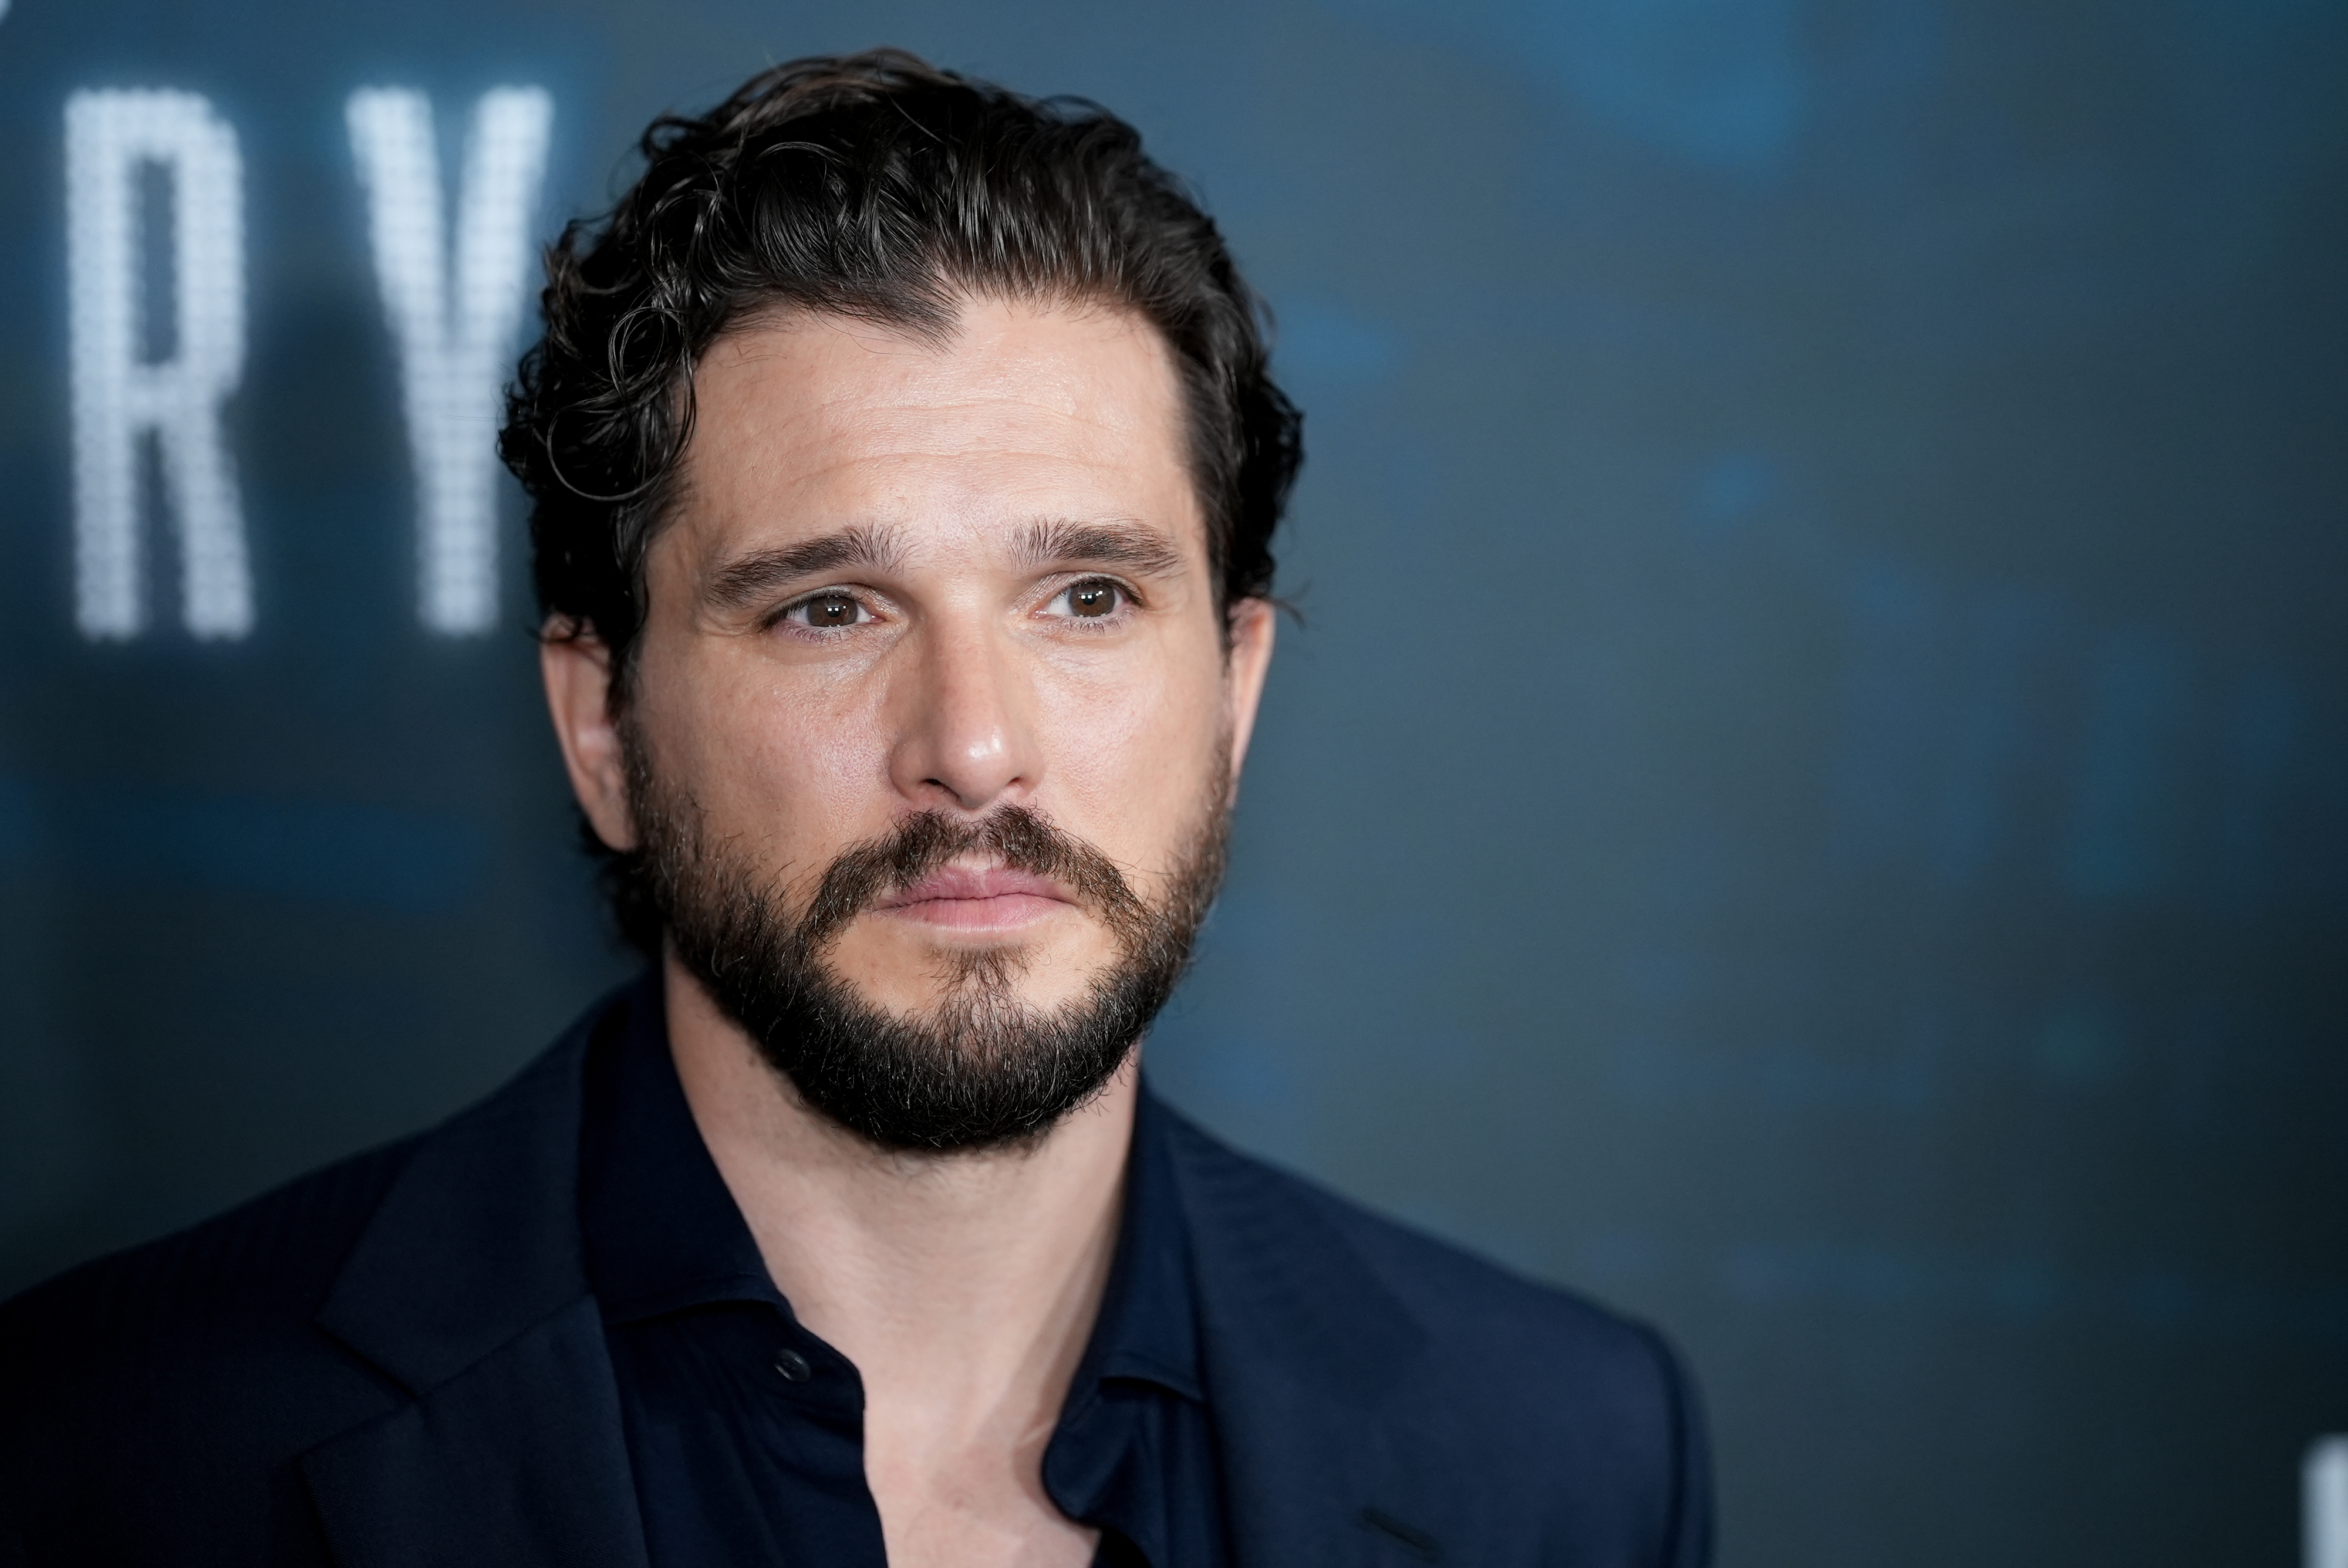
1253	621
577	668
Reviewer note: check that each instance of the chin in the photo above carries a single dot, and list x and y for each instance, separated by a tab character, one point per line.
1034	971
1002	976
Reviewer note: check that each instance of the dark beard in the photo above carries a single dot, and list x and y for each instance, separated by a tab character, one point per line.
982	1069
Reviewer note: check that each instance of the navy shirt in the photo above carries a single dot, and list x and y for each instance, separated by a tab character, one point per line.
747	1432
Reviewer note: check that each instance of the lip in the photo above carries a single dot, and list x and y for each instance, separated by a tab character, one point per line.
969	898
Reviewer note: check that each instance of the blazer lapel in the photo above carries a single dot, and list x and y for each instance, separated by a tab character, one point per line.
1312	1368
469	1290
516	1462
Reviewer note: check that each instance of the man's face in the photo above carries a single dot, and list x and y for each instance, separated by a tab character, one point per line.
907	580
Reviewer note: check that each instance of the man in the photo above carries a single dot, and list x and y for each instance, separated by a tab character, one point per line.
905	464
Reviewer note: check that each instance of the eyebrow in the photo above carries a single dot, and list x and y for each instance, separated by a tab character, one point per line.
755	576
1132	545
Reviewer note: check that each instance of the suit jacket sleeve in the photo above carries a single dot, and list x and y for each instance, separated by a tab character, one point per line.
1690	1542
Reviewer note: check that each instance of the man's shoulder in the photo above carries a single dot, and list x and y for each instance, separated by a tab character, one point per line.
1468	1305
261	1269
1457	1401
158	1394
226	1287
1508	1359
1481	1311
167	1392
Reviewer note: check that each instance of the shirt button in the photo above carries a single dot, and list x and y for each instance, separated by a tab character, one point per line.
793	1366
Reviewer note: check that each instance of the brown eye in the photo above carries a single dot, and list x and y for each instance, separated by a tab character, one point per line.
1090	600
830	609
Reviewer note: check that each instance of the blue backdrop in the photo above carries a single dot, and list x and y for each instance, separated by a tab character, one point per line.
1811	800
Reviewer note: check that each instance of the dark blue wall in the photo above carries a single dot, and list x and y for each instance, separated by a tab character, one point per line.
1812	799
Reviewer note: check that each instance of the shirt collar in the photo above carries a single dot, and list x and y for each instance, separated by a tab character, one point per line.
662	1231
1148	1330
663	1234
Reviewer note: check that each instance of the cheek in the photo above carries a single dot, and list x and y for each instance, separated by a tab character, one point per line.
787	767
1129	752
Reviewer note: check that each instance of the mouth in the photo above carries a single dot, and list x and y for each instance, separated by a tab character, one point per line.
977	898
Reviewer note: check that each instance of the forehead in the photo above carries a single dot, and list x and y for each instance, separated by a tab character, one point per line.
807	422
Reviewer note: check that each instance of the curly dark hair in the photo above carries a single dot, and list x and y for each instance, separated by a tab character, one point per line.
878	187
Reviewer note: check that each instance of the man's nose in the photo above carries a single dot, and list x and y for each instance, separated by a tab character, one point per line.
966	736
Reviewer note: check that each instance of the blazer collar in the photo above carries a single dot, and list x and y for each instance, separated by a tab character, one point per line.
467	1290
1318	1377
479	1236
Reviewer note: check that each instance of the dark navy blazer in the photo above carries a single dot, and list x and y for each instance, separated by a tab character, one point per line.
397	1361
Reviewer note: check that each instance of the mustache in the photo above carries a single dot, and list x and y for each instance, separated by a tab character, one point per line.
1015	836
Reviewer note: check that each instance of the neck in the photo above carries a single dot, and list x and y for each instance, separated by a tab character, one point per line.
963	1286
